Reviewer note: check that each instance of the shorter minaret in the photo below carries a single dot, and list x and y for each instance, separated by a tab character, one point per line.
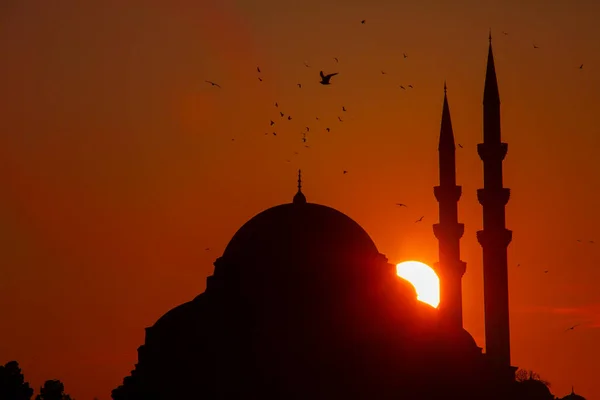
448	231
299	198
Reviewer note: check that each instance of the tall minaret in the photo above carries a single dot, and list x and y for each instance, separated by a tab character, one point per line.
494	238
448	231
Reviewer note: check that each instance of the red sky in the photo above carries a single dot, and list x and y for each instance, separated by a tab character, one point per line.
117	167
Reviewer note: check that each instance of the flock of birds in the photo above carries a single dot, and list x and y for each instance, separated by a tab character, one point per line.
325	79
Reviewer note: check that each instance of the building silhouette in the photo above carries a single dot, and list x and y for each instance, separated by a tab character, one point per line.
301	305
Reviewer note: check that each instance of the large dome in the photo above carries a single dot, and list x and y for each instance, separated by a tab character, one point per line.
300	227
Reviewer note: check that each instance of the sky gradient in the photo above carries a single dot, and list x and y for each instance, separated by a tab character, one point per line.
118	168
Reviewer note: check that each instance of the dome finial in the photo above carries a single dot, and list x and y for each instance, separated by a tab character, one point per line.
445	86
490	36
299	197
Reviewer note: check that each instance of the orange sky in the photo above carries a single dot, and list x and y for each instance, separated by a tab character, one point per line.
117	167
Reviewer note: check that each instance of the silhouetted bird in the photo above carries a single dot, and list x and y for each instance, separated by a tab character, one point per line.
382	72
404	54
402	87
306	64
258	69
345	172
336	60
340	119
420	219
546	271
260	79
280	113
326	78
460	145
328	130
581	66
299	85
307	129
289	118
504	33
518	265
579	240
535	47
207	249
272	123
276	105
343	108
214	84
363	21
317	118
274	133
591	241
401	205
572	328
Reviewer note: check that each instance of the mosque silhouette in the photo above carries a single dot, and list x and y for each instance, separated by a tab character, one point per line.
301	305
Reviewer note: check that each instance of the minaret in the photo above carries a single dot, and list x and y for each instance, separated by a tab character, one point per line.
494	238
448	231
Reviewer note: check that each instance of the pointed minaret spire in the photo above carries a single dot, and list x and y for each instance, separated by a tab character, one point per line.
491	96
446	133
494	238
299	198
448	231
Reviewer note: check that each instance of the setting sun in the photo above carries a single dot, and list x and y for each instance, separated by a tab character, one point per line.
423	278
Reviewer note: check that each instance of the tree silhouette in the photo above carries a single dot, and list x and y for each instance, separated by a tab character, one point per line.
12	383
53	390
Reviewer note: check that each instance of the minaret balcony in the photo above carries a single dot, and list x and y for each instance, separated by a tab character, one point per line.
493	197
447	193
489	238
490	152
448	232
455	268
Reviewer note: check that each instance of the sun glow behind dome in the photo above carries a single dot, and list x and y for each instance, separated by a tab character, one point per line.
423	278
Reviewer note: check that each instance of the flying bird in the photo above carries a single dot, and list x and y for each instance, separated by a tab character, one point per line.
280	113
404	54
345	172
581	66
460	145
410	86
402	87
306	64
340	119
274	133
299	85
572	328
505	33
276	105
260	79
214	84
401	205
343	108
336	60
420	219
326	78
382	72
363	21
258	69
289	117
535	47
328	130
272	123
